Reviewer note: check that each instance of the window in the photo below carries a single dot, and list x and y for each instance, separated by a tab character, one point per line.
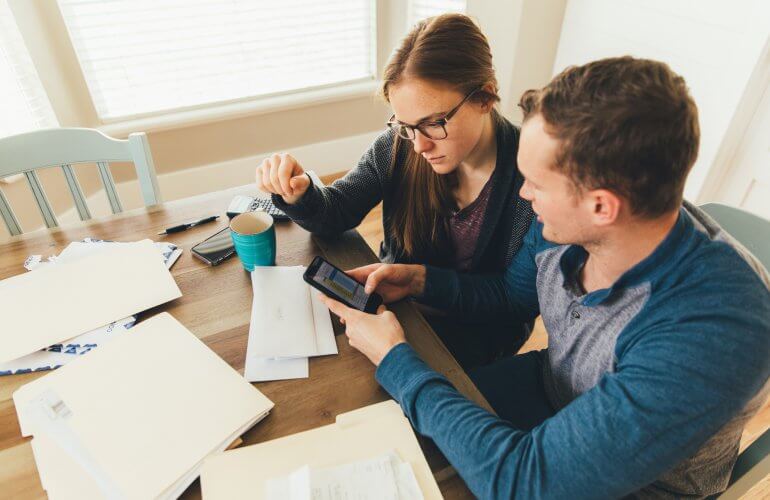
25	103
141	57
420	9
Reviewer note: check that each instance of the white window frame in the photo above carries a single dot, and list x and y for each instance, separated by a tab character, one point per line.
51	49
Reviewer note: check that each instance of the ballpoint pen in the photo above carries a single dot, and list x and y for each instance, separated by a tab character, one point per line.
188	225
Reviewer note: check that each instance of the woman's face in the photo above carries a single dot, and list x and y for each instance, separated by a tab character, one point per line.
418	101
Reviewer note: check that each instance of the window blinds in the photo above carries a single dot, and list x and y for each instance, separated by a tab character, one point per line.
420	9
25	105
142	57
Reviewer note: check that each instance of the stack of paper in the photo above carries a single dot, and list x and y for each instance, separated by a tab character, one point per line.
288	325
106	427
327	460
385	477
87	246
59	353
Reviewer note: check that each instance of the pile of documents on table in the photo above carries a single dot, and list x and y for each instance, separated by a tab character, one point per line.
136	417
79	294
66	350
369	453
288	325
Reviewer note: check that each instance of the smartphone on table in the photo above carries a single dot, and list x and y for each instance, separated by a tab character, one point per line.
215	248
329	279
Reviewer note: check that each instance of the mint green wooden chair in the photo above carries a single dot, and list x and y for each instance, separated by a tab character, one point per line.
753	232
63	147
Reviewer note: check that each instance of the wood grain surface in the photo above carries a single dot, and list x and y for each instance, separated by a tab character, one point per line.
215	306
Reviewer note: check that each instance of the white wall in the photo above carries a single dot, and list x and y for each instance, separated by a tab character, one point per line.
714	44
523	35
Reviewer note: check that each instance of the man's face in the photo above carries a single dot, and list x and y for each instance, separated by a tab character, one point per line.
565	212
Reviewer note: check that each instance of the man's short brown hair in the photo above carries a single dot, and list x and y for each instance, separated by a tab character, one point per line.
627	125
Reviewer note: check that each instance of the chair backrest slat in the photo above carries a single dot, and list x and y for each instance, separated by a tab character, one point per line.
145	168
64	147
753	466
42	201
77	193
8	216
109	186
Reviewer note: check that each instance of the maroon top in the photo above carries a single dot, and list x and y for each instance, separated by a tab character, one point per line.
464	228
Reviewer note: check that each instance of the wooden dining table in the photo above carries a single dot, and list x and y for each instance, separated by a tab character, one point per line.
216	306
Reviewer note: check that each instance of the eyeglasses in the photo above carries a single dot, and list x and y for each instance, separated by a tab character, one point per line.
434	129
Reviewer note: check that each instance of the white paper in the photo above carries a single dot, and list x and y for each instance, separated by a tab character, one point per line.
278	489
289	323
295	486
371	479
384	477
265	369
37	262
65	300
89	246
281	314
32	262
62	353
406	481
322	321
57	355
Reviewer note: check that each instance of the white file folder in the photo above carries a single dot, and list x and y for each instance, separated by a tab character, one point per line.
135	418
356	435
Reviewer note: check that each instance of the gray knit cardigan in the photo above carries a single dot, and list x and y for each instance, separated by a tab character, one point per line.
330	210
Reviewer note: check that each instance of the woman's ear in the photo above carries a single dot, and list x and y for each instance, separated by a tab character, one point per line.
488	102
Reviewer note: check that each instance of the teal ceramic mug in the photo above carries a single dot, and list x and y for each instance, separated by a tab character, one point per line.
253	236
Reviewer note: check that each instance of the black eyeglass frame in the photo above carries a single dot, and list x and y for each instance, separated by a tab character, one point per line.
408	129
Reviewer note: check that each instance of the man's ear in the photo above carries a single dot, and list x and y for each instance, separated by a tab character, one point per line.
606	206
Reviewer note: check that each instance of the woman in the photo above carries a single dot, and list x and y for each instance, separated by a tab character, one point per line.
445	171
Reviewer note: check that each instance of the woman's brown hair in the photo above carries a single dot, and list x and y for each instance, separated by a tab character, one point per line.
449	49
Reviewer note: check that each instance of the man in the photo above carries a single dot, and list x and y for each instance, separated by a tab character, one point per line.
658	321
